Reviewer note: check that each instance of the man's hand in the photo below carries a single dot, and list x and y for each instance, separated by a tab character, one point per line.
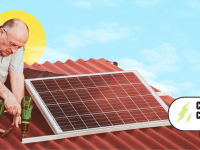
16	121
17	86
12	106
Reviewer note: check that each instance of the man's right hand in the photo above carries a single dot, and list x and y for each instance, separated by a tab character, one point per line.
12	106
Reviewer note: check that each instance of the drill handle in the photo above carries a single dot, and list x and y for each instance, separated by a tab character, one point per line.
2	107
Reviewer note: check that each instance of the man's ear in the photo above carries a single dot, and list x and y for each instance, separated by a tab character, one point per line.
1	32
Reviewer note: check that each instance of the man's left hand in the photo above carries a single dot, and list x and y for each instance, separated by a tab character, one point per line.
16	121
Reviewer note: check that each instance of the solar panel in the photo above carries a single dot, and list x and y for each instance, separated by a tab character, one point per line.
95	103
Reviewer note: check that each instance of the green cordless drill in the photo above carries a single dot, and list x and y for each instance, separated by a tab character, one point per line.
2	107
26	106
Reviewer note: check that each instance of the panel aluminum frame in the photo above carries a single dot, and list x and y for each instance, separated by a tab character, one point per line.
93	131
57	130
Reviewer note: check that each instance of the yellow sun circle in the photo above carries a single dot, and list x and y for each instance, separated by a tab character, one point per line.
35	46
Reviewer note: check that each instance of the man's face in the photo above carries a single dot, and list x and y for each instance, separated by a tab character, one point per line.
10	42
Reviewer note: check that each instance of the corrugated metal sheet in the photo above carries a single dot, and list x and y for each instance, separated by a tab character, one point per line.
165	137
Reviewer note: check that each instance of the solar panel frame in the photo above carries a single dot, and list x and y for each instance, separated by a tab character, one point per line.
56	128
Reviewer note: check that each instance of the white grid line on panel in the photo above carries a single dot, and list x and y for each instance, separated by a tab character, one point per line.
90	88
148	103
87	76
98	100
109	111
128	96
71	105
84	105
33	86
117	97
132	100
141	95
58	105
104	97
95	102
87	87
115	94
123	114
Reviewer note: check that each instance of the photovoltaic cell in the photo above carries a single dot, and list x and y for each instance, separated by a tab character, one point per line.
63	83
95	93
65	124
87	82
98	80
130	90
93	106
128	103
96	101
51	85
74	82
77	122
140	88
109	79
68	109
39	85
102	119
126	117
84	94
71	95
121	79
132	78
104	105
90	121
47	98
114	118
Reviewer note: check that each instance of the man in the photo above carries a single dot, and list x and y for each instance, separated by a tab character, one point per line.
13	35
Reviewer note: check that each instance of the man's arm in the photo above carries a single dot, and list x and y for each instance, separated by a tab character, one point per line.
17	85
11	104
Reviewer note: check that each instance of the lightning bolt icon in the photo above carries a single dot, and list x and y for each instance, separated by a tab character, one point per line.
188	119
182	113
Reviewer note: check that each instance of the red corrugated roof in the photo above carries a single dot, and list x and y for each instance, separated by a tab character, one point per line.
165	137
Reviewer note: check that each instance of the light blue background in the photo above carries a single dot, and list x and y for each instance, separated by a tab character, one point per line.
159	38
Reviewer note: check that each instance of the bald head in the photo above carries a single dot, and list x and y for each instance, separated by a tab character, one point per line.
17	28
12	23
13	35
